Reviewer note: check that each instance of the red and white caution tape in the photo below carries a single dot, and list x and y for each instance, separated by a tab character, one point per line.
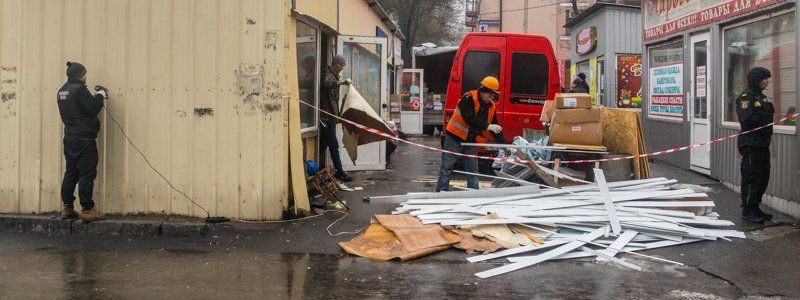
522	161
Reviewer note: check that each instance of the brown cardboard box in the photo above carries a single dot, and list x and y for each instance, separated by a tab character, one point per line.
577	126
573	100
547	111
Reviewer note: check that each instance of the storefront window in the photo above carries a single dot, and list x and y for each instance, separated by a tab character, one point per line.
665	85
307	75
523	80
364	69
769	43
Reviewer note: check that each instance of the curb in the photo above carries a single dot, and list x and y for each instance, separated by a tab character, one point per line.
112	228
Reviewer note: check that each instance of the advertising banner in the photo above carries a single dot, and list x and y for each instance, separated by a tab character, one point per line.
666	91
629	81
666	17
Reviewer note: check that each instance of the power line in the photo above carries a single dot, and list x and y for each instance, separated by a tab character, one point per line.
519	9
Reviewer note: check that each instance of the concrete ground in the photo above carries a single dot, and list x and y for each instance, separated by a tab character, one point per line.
299	259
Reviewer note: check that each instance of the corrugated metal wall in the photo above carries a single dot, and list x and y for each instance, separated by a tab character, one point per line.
167	64
624	27
784	152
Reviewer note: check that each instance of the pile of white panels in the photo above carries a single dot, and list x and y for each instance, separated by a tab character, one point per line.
594	220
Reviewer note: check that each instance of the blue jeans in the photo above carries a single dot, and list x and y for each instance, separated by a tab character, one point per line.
449	162
328	140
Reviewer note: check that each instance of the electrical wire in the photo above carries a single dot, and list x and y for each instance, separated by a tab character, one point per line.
208	214
328	229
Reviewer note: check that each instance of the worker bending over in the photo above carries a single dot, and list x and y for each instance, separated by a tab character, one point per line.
474	120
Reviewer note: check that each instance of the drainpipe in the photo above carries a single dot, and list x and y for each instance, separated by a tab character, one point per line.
501	15
525	19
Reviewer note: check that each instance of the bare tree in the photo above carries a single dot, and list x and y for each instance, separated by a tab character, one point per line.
436	21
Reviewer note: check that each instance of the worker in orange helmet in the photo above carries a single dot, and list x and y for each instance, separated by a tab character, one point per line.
474	120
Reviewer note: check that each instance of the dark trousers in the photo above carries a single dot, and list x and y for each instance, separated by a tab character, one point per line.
449	162
82	156
755	174
328	140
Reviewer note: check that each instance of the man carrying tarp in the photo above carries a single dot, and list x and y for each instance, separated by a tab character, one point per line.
329	102
474	120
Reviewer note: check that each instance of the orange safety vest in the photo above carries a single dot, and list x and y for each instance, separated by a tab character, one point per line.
460	128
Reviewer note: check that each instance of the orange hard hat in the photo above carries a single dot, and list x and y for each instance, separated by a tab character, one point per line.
491	83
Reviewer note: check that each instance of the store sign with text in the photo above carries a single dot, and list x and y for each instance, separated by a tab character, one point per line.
666	91
586	40
666	17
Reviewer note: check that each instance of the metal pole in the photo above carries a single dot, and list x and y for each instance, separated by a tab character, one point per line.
525	20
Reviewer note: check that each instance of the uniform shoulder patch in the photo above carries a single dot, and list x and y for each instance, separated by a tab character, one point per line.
745	104
757	104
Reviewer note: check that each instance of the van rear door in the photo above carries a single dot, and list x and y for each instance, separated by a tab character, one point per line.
531	79
479	56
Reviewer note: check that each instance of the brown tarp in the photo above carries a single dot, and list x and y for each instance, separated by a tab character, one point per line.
356	109
403	237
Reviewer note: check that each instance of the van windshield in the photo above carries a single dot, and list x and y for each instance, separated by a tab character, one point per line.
477	65
529	74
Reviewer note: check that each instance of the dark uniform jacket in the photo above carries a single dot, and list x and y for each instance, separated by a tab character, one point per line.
476	120
79	109
329	95
754	111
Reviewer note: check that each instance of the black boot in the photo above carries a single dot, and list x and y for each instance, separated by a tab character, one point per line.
763	214
751	214
341	175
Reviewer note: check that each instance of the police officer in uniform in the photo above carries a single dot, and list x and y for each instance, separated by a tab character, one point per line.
79	109
474	120
754	110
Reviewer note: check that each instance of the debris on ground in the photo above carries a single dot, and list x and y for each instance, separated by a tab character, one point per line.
536	224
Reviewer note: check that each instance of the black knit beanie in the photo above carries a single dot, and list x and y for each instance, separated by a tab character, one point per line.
582	76
75	70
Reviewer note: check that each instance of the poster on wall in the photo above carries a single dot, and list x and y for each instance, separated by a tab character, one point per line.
666	91
629	81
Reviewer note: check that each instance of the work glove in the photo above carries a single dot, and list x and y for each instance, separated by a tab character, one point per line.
102	91
494	128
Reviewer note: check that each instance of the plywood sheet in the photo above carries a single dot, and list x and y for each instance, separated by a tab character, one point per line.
622	134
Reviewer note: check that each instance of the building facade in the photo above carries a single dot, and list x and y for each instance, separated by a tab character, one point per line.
606	47
696	58
207	90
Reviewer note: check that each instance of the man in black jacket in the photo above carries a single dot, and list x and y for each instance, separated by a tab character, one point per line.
79	109
329	102
474	120
754	110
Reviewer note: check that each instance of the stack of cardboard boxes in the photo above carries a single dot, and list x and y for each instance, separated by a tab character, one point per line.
574	121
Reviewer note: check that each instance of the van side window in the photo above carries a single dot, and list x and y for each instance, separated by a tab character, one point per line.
529	74
477	65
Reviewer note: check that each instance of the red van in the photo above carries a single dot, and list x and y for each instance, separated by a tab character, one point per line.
526	67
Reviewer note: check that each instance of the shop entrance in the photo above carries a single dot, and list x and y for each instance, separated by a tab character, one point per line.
412	101
700	92
366	67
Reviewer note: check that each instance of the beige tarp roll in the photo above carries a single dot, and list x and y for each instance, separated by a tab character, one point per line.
356	109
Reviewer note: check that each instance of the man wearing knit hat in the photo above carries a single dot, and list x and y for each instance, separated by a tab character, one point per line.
329	102
79	109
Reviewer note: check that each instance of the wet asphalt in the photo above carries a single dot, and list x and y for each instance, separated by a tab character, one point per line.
300	259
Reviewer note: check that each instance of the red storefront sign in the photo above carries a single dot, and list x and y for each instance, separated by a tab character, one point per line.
667	18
